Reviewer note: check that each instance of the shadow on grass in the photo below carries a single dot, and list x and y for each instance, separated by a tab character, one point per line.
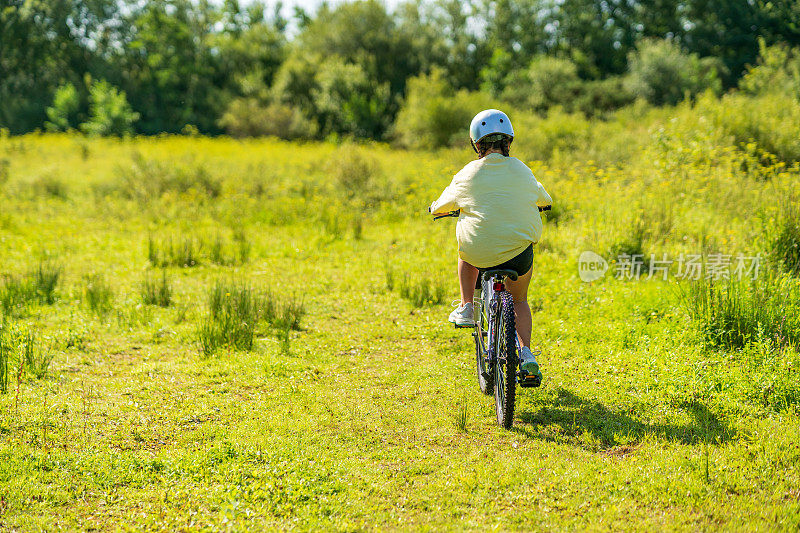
568	417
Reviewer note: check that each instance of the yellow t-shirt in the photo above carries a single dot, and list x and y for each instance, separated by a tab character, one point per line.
498	197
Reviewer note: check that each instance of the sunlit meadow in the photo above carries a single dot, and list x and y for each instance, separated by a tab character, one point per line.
215	334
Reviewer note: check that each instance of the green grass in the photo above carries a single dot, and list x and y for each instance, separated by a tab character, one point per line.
327	393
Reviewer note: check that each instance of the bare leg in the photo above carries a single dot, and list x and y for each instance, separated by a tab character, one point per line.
467	276
524	322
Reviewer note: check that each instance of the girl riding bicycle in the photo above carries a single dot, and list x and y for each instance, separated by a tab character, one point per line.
499	222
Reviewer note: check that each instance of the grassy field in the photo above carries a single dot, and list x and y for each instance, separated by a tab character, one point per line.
214	334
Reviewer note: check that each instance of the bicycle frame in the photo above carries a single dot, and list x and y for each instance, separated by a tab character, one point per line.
487	310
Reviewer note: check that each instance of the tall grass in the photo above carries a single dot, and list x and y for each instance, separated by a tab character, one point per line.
49	186
189	251
97	294
234	311
37	286
181	252
220	252
785	240
156	291
147	180
35	357
22	346
733	313
5	353
419	289
461	415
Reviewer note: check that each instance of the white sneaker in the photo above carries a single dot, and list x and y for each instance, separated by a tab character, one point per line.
527	362
462	315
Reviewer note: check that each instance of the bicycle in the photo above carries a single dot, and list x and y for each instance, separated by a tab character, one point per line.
496	341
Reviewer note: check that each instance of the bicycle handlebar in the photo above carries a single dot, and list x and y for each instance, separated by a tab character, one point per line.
457	212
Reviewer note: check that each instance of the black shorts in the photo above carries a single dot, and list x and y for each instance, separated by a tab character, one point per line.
519	264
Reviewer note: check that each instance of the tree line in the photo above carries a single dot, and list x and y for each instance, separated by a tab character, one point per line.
357	68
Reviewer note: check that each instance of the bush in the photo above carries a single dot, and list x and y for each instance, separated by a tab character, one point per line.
554	82
661	73
771	121
355	178
539	138
777	71
550	80
5	171
598	97
63	114
247	117
357	189
109	111
433	115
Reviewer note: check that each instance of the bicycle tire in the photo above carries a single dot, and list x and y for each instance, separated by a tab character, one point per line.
484	370
505	368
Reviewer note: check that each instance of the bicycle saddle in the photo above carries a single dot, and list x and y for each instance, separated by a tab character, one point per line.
510	274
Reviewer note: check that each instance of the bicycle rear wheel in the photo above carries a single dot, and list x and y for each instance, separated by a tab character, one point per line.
505	368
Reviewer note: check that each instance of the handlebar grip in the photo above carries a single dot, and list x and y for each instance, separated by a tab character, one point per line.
450	214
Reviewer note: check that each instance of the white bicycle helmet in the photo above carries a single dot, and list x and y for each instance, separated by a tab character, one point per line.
489	122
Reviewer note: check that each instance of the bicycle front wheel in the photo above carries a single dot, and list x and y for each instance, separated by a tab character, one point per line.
505	368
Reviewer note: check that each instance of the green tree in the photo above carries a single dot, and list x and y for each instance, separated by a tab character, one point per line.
515	29
463	52
296	82
348	102
169	69
109	111
595	34
365	34
41	47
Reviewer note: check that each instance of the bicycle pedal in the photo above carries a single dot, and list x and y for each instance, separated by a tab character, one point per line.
464	326
526	380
